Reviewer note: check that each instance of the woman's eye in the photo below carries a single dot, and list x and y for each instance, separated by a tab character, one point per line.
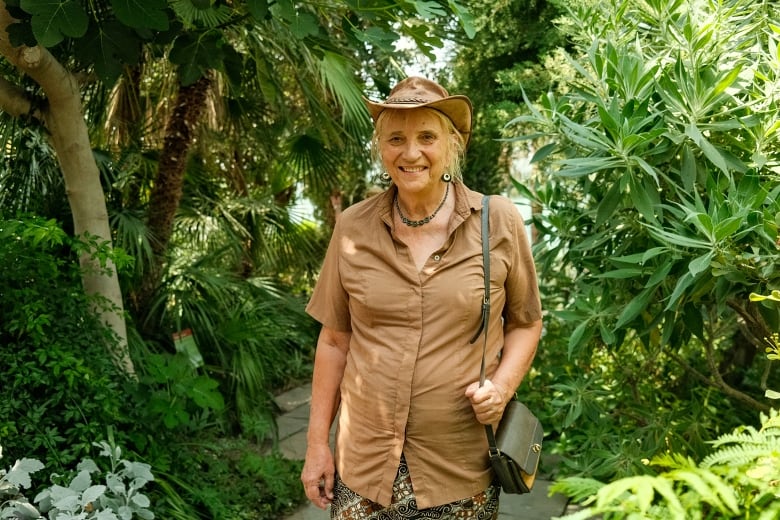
427	138
395	140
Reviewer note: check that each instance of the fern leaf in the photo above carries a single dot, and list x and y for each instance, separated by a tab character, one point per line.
771	421
637	495
707	486
676	509
577	488
672	461
740	455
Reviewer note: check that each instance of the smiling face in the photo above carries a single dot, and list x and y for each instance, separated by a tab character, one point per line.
415	147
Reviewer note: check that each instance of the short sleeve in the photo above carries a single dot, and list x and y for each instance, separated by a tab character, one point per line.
523	304
329	303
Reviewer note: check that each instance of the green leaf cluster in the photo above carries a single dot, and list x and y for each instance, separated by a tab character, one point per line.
111	34
61	389
736	481
655	184
177	393
119	498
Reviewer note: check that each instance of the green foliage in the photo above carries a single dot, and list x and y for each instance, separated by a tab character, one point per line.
773	341
176	394
116	29
510	37
737	480
119	498
61	392
60	389
654	142
232	480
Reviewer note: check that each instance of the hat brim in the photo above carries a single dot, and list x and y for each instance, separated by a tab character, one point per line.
457	108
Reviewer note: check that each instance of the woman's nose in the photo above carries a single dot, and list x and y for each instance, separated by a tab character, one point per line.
411	150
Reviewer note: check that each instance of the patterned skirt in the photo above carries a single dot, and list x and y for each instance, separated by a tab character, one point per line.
348	505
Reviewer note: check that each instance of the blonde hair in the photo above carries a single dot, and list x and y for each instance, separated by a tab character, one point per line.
456	147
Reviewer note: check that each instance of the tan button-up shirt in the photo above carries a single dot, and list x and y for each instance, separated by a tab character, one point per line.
409	359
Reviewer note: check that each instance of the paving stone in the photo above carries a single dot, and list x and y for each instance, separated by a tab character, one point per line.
290	424
292	399
535	505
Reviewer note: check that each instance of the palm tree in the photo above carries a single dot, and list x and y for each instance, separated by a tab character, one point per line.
205	134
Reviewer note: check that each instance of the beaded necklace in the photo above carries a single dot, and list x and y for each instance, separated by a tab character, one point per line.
421	222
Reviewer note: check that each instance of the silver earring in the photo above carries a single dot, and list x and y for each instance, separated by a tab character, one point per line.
446	177
385	177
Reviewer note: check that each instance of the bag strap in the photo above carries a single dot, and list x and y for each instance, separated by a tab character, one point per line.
483	326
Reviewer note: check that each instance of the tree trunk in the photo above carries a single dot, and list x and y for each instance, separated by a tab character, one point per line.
64	120
167	190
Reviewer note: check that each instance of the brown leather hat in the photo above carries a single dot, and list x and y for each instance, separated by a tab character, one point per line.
416	92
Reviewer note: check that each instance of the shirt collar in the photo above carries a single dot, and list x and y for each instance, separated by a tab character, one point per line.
467	201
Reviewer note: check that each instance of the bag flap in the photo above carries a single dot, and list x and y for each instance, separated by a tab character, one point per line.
519	436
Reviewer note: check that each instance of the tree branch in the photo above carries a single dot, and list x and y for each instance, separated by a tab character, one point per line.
722	385
38	63
718	383
13	100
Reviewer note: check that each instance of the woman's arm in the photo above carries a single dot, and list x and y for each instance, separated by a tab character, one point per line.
519	350
329	361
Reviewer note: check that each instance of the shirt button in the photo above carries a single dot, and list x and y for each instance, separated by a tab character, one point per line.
437	257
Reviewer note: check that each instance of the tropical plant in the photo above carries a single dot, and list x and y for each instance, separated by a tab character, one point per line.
657	182
738	480
204	123
148	72
512	38
60	391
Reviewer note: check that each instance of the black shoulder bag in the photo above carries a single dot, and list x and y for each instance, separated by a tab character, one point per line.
517	444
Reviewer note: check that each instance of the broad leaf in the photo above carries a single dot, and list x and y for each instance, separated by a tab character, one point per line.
428	9
19	474
142	14
53	20
110	47
258	8
195	56
466	20
304	25
92	494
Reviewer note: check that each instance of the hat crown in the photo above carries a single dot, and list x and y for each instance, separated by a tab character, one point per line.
416	90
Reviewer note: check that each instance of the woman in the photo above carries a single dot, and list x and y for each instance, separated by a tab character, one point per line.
399	298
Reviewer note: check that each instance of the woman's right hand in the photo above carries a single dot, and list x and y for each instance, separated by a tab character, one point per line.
318	475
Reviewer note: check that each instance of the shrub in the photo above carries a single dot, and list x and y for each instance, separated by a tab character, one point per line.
119	497
739	480
60	389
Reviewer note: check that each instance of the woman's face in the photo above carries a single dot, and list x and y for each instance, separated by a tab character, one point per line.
413	145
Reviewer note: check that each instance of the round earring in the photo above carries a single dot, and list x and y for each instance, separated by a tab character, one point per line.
385	177
446	177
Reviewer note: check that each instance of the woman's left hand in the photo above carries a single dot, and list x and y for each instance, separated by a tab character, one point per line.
487	401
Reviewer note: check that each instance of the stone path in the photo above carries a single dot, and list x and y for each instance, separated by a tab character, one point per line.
536	505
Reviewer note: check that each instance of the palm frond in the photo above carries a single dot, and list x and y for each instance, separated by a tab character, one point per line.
339	79
210	17
30	177
313	162
132	235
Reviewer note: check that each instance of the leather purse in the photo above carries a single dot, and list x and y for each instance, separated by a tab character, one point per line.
516	447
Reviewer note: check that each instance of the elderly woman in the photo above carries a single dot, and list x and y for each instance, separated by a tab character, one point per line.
399	297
